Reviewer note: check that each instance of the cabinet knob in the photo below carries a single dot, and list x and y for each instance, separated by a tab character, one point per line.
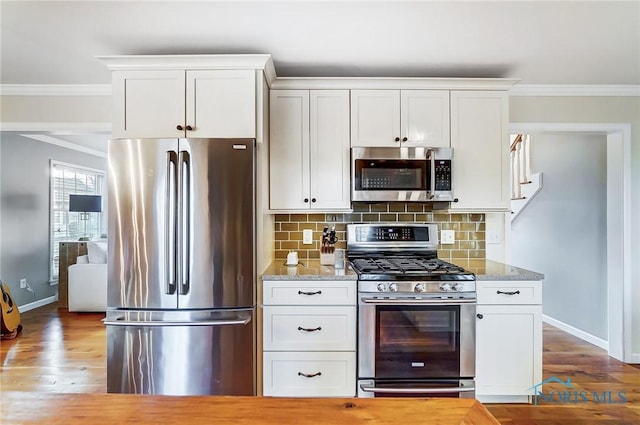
313	199
404	139
306	200
479	316
179	127
397	139
189	128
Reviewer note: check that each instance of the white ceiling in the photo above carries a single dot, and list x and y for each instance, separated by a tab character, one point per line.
540	42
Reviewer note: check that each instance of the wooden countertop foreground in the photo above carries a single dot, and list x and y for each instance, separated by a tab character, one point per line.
48	408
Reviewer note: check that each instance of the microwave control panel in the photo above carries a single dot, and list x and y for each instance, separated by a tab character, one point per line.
443	174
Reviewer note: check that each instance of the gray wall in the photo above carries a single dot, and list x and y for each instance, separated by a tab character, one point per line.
24	215
563	231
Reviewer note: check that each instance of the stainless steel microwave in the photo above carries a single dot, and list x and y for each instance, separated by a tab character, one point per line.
399	174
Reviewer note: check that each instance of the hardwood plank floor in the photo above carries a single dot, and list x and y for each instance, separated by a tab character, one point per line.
62	352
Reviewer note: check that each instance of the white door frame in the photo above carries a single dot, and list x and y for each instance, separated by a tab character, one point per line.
619	232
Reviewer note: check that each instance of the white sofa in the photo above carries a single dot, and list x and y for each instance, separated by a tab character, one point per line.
88	280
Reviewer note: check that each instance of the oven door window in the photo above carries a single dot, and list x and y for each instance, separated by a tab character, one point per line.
379	174
417	342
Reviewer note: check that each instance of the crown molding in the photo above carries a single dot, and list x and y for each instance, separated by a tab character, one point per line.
135	62
275	82
596	90
65	144
57	126
55	89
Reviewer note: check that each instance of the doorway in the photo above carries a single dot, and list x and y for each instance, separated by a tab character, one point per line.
615	334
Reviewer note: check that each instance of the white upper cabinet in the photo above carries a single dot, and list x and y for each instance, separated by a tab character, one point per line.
148	104
375	117
400	118
221	103
480	142
289	149
329	151
184	103
309	149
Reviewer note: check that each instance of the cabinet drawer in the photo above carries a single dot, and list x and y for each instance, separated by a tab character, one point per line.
309	292
509	292
309	374
309	328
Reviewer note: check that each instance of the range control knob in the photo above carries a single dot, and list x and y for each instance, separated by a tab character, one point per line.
393	287
457	287
419	287
446	287
381	287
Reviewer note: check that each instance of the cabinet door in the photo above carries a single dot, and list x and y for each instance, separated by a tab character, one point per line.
375	117
329	153
221	103
480	142
289	149
425	118
148	104
508	349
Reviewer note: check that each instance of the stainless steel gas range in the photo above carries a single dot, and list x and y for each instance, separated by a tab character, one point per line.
416	314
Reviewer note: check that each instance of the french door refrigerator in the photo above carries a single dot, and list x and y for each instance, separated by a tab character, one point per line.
181	267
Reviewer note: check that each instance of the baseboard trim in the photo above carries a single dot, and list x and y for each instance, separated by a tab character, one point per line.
585	336
39	303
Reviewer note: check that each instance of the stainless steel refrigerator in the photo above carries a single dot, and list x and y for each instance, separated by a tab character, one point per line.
181	267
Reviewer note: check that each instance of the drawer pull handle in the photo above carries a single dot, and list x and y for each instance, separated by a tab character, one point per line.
309	293
319	328
309	375
507	293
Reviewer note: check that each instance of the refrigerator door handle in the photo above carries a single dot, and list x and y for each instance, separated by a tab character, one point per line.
171	212
185	220
224	322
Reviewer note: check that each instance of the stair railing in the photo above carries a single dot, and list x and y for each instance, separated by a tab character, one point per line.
520	166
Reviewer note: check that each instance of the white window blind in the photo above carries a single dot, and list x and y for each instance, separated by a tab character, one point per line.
69	179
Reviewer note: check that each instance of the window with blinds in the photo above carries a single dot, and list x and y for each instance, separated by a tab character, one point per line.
69	179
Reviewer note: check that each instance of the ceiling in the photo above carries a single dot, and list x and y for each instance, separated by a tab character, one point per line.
538	42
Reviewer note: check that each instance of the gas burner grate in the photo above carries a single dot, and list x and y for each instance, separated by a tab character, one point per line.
405	265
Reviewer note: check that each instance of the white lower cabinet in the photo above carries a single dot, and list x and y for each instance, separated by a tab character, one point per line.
309	338
309	374
508	340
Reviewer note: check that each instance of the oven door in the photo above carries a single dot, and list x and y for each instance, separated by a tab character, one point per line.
416	339
460	388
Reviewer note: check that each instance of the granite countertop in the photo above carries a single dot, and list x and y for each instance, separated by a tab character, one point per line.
312	270
493	270
307	270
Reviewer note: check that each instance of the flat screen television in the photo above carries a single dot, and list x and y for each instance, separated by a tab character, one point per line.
85	203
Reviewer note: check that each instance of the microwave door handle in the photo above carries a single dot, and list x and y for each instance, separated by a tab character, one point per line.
432	173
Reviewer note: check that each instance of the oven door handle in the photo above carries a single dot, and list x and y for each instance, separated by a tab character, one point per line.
413	301
447	390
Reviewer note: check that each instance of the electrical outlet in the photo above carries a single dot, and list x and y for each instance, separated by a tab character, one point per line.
307	236
332	218
447	237
23	283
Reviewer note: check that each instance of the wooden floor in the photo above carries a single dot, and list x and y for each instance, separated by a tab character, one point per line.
61	352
